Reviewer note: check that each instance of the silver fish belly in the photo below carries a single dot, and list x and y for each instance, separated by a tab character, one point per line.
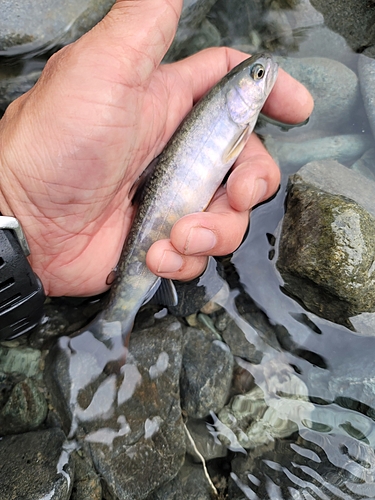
187	175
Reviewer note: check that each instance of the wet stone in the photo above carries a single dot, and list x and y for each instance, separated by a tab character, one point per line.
127	415
209	447
192	16
26	26
86	482
207	369
353	19
333	85
326	251
24	410
36	465
189	484
22	360
366	72
344	148
329	466
365	165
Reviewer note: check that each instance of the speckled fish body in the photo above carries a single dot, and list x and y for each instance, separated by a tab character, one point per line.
187	174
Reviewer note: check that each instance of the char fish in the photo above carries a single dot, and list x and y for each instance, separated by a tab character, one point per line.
186	175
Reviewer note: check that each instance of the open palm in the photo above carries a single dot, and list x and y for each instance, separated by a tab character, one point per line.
72	148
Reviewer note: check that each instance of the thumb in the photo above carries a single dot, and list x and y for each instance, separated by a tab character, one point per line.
139	33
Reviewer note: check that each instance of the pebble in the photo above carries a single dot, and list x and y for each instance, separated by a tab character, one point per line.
36	465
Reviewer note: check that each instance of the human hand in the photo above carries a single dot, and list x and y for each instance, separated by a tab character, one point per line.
104	107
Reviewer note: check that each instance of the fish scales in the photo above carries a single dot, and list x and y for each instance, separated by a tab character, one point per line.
187	174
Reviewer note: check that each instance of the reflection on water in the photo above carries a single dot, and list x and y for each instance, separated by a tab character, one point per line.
299	422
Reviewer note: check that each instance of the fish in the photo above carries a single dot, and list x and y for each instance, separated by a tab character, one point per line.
184	178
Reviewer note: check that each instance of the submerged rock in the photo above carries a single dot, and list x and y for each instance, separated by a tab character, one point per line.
24	410
29	27
127	415
207	370
36	465
353	19
342	148
333	85
327	244
366	72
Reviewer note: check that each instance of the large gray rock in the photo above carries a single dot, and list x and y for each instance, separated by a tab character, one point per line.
333	85
27	26
128	415
353	19
344	148
327	245
36	465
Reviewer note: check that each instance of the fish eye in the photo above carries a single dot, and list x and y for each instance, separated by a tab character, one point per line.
257	72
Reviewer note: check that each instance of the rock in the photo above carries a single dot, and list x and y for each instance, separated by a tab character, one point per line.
25	409
327	247
343	148
207	369
189	484
331	466
336	179
365	165
353	19
23	29
15	80
86	482
366	72
274	410
35	465
192	16
205	443
322	42
333	85
20	360
128	415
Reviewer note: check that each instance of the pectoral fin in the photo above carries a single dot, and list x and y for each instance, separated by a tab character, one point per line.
163	292
237	147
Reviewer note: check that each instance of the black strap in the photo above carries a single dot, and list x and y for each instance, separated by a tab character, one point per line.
21	291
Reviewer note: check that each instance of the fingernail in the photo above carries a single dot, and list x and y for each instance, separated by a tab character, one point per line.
260	191
200	240
170	262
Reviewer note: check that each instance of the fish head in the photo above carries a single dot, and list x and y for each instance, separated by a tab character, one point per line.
247	88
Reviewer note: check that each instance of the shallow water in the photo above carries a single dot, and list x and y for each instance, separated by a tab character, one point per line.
315	376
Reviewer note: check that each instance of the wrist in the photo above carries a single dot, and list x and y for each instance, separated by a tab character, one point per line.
21	291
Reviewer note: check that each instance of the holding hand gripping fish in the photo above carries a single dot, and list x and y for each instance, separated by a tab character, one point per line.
187	174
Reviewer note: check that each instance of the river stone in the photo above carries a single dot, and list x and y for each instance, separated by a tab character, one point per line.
127	415
25	409
366	72
26	26
333	85
86	482
192	16
35	465
327	251
315	465
365	165
22	360
189	484
343	148
207	370
353	19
